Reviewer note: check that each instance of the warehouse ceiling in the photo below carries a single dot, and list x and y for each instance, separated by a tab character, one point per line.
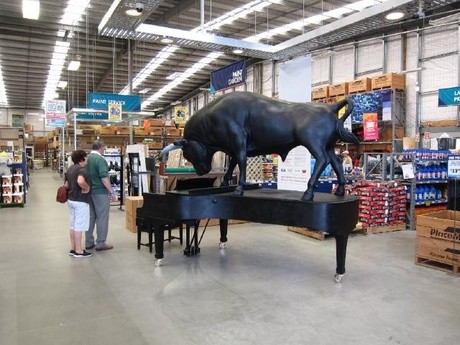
107	41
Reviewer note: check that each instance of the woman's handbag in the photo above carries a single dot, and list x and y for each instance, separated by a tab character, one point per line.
62	194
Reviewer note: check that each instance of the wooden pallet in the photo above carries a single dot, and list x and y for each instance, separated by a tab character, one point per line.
441	123
441	266
319	235
384	228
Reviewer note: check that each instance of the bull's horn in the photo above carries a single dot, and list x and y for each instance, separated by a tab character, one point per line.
170	147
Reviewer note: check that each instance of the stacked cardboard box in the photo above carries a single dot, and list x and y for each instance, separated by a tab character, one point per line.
438	241
389	80
131	206
320	92
381	203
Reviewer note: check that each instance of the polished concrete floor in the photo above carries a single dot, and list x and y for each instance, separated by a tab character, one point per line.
270	286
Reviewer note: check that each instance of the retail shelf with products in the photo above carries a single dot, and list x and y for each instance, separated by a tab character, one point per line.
116	174
389	106
423	172
427	189
14	183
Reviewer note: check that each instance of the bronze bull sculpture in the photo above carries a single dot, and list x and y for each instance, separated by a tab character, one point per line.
245	124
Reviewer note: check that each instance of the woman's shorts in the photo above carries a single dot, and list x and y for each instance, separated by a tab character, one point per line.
79	215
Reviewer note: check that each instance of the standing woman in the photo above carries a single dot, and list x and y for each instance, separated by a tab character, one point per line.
78	184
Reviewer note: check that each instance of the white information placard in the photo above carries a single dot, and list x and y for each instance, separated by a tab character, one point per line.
294	172
453	166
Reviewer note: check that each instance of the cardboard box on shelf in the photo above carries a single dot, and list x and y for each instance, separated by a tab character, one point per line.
360	85
338	89
119	130
155	131
28	128
157	122
389	80
106	131
172	132
387	134
141	132
320	92
409	143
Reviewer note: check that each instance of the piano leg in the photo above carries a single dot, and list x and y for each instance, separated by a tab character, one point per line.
341	252
159	233
223	223
191	239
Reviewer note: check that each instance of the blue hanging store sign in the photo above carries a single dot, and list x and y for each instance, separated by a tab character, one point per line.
229	76
449	96
101	101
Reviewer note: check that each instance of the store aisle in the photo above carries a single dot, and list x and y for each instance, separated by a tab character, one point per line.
270	286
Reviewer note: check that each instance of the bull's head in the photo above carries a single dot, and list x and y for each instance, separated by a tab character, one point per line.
195	152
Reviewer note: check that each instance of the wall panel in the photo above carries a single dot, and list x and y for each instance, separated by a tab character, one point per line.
370	58
320	68
342	65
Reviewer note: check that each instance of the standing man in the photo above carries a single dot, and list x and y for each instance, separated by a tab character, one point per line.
102	195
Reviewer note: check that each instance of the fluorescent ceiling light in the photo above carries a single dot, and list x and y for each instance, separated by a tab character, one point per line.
74	65
133	12
173	76
166	40
62	84
150	67
184	76
144	91
237	51
395	15
74	11
31	9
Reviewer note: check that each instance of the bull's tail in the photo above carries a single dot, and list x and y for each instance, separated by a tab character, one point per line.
342	133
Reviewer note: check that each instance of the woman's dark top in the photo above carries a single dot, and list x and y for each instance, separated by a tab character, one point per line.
71	177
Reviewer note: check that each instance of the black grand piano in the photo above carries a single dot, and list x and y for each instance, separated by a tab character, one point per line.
335	215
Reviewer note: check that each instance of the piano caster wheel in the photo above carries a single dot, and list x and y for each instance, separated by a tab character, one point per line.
338	278
158	262
222	245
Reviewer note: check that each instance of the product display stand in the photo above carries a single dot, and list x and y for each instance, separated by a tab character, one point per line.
14	184
115	162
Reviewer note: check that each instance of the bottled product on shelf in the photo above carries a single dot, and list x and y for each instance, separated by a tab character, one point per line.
424	154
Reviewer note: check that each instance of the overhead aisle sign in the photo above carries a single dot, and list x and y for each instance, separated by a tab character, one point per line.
110	105
101	101
229	76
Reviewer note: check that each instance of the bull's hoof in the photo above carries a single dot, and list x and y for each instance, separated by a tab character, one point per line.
307	196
